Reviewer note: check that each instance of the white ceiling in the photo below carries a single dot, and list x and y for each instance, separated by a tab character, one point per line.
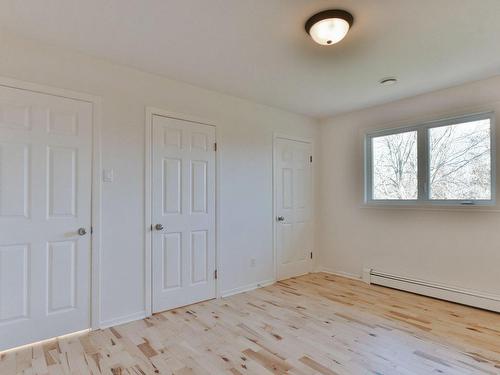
257	49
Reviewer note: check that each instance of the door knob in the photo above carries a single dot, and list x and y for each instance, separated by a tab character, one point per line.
159	227
82	231
280	218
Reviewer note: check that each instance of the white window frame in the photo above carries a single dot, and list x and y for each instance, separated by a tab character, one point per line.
424	163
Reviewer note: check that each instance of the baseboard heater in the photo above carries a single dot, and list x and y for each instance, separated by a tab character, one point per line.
432	289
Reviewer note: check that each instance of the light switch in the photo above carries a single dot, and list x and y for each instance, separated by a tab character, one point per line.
108	175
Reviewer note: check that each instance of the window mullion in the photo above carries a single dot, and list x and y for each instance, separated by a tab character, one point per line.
423	165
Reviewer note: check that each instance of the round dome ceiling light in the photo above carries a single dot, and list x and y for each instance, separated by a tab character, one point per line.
388	81
329	26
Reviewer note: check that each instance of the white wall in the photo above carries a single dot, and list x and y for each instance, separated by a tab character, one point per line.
455	247
244	135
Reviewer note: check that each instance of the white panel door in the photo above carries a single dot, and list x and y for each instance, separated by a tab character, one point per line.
45	187
183	186
293	200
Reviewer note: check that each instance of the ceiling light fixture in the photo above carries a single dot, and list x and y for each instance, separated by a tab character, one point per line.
329	26
388	81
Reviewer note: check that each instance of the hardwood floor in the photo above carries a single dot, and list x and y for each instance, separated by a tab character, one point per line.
314	324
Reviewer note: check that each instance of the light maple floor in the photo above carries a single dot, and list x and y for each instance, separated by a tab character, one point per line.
314	324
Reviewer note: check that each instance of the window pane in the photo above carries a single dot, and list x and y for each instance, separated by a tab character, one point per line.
460	161
394	166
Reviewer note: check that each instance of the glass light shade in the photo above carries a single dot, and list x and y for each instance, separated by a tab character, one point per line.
329	31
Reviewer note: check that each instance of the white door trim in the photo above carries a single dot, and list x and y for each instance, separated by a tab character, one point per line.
148	200
275	208
95	287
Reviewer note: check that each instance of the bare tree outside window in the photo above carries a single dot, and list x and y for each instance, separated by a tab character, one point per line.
460	161
394	159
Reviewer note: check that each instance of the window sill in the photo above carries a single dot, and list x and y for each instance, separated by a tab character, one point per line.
488	208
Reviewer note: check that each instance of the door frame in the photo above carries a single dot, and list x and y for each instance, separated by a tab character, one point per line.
148	199
96	184
277	135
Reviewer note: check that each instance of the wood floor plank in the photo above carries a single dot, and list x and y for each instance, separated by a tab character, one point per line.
310	325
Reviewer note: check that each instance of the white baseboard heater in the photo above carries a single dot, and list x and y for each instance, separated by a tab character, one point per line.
432	289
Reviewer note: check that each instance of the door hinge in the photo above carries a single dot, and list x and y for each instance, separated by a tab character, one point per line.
91	230
215	146
311	254
215	275
311	158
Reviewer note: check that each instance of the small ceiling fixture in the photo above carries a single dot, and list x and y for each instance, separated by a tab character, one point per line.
388	81
329	26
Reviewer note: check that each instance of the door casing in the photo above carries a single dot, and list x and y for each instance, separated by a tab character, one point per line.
148	200
96	183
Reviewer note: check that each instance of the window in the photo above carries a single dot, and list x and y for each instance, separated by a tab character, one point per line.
442	162
395	170
460	161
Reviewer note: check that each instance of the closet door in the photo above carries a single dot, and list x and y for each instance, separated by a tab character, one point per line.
183	182
293	195
45	216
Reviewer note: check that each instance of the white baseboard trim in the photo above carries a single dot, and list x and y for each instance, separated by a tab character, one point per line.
143	314
246	288
122	319
347	275
446	292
